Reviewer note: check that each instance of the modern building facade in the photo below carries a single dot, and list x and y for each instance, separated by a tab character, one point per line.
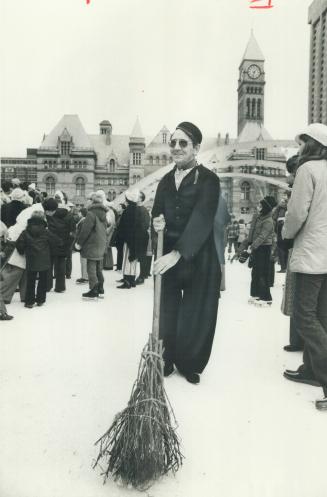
317	111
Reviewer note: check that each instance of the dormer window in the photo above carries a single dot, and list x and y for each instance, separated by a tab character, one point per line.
65	147
164	137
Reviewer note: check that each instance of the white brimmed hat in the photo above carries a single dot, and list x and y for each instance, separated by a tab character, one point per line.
133	195
317	131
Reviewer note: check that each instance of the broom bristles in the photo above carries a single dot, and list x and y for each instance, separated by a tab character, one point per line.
141	445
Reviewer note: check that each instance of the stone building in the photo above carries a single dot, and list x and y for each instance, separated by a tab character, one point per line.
317	111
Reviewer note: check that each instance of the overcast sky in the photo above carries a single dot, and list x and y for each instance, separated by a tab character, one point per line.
165	61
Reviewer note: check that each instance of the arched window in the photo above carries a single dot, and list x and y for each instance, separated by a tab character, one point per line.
157	161
245	190
112	166
50	185
164	160
259	109
138	178
151	160
80	187
113	195
253	108
248	104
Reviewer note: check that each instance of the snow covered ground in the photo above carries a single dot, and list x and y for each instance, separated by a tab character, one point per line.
67	368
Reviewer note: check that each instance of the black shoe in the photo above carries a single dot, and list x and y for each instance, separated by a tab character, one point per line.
168	369
282	271
120	281
81	280
293	348
321	405
125	285
193	378
68	277
139	281
29	306
100	291
39	304
91	294
5	317
300	377
59	291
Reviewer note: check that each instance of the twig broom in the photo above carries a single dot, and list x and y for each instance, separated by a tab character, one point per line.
141	445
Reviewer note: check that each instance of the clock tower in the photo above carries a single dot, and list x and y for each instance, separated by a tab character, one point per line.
251	86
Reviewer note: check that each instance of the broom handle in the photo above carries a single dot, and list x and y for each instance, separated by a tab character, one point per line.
157	290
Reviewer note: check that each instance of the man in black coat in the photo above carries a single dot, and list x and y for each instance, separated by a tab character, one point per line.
185	206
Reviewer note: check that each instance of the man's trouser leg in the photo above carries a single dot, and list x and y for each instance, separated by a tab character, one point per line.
310	317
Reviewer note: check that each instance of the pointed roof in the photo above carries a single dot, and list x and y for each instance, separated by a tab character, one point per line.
137	131
71	124
65	136
253	131
253	51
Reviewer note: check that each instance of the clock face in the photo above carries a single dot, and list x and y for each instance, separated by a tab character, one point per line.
254	71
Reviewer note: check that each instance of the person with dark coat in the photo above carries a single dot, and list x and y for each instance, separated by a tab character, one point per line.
143	236
15	207
131	233
62	224
35	242
92	240
119	243
260	241
185	205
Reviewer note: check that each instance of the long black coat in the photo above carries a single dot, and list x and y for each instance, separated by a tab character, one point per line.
63	225
36	242
190	289
10	212
132	230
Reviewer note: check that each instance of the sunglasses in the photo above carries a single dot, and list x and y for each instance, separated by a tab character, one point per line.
182	143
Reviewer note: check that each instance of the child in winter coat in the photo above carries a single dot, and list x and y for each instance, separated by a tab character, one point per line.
35	242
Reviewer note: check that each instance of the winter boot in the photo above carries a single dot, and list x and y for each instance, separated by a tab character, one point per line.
91	294
100	291
263	303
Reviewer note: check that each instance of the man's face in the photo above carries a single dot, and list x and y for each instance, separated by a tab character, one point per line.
183	152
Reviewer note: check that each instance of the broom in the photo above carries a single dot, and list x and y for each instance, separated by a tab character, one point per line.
141	445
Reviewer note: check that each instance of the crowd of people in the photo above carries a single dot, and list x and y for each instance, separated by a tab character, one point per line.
38	235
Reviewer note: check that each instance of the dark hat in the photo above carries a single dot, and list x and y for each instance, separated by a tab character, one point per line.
50	204
191	131
269	202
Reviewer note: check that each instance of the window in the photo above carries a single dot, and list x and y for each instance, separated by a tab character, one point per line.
50	185
136	158
157	161
80	187
134	179
259	109
112	166
260	153
164	160
245	190
164	137
151	160
253	109
65	148
248	108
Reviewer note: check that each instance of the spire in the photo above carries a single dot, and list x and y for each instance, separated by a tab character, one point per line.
253	51
137	131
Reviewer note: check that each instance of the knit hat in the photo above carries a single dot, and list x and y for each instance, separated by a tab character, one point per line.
132	195
101	194
18	194
269	202
191	131
32	186
60	196
50	204
15	182
317	131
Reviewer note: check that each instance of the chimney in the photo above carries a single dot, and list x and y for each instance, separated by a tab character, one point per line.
219	139
227	139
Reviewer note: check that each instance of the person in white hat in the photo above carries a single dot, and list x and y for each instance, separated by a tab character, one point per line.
128	233
306	223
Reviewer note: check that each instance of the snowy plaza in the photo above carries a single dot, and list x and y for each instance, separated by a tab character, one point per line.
67	368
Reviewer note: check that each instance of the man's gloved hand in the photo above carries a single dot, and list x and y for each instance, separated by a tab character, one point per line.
159	223
165	262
